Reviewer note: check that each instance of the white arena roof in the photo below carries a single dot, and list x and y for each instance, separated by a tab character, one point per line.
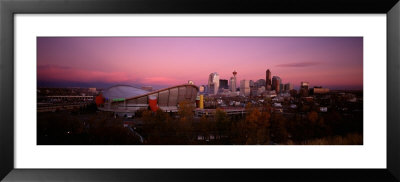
124	98
122	91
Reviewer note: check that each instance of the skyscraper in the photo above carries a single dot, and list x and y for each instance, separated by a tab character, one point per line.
304	85
276	83
268	79
304	89
213	83
223	84
260	83
288	86
251	83
232	84
245	87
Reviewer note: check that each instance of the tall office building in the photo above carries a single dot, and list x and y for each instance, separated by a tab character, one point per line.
304	89
304	85
268	80
276	83
213	83
223	84
288	86
251	83
245	87
260	83
232	84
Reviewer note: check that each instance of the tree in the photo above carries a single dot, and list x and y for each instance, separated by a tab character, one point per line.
257	124
313	117
184	128
205	127
185	111
222	122
157	127
278	128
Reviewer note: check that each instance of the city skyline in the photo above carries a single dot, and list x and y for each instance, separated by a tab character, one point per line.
332	62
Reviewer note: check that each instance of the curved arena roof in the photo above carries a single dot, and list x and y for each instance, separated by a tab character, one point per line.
122	91
123	98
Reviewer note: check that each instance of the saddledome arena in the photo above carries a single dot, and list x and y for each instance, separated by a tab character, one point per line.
125	99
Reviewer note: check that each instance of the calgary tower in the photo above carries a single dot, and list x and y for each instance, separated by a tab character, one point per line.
233	82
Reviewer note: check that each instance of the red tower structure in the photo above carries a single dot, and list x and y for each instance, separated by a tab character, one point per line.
232	86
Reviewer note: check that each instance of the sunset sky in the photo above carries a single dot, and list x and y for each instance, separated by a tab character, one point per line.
333	62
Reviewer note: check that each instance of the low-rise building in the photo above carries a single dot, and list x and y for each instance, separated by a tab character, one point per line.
320	90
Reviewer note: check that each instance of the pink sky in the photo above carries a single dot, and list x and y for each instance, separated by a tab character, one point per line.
333	62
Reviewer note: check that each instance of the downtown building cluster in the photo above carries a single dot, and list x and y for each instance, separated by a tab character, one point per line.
271	85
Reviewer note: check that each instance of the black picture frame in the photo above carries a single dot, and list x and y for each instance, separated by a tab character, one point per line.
8	8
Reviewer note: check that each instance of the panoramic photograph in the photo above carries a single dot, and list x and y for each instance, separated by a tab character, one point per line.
199	91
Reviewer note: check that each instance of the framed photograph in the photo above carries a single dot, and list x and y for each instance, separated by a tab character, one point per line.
283	104
154	90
